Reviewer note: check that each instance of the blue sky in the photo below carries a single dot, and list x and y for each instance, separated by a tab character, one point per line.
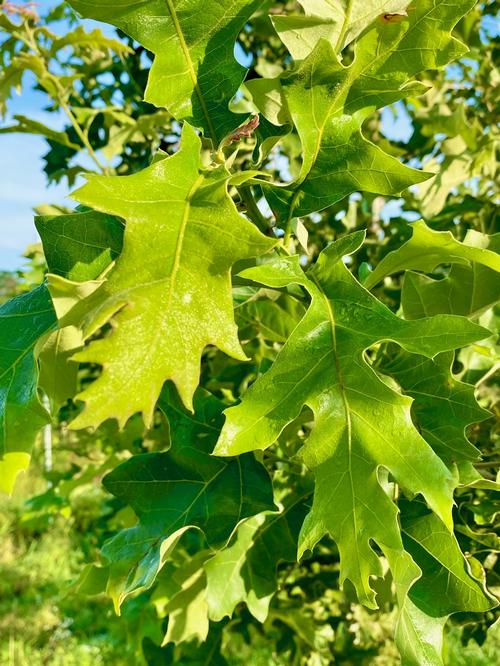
22	180
22	185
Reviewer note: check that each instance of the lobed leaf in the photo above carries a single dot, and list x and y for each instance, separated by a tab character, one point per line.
328	102
361	424
169	294
338	21
390	54
446	586
467	290
194	74
179	490
443	406
427	249
245	571
181	596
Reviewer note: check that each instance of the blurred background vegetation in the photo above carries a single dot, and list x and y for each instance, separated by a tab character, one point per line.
60	515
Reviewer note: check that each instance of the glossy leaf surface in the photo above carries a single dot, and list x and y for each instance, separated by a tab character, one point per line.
328	103
338	21
322	366
194	74
426	249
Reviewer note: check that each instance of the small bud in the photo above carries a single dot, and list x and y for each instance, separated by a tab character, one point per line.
393	18
245	130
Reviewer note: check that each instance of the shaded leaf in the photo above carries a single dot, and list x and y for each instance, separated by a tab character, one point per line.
24	320
246	569
181	596
443	406
182	489
445	587
273	320
80	245
466	290
58	371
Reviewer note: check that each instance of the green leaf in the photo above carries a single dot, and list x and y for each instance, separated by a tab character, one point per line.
337	159
182	489
80	245
128	130
11	78
443	406
328	103
451	172
445	587
361	424
246	569
466	290
302	625
272	320
338	21
24	320
181	596
169	293
93	40
267	97
58	372
194	74
345	163
427	248
390	54
471	478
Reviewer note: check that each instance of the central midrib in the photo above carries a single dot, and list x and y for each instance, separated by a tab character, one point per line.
345	25
331	318
180	239
192	73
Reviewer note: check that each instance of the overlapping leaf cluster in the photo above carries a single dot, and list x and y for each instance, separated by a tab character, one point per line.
152	277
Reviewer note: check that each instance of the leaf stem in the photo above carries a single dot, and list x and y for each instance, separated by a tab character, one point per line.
32	44
82	135
345	26
489	374
246	194
274	458
288	223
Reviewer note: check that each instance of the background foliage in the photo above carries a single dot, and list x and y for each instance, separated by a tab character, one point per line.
66	516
